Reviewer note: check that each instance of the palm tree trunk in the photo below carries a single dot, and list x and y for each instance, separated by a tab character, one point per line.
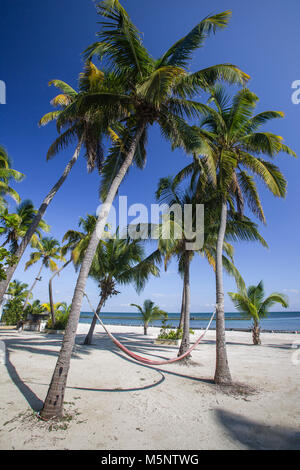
145	329
33	226
222	372
89	336
53	405
33	286
256	333
185	342
182	310
51	292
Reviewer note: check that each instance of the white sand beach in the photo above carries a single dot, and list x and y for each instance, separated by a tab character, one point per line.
116	403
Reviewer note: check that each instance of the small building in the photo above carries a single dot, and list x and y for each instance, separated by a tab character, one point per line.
35	322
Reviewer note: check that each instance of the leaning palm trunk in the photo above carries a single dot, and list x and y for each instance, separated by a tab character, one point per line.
182	310
32	228
89	336
33	286
53	405
51	292
222	372
256	333
185	342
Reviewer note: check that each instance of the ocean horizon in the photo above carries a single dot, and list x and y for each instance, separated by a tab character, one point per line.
276	321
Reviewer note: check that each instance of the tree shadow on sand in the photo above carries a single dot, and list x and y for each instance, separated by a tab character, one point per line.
258	436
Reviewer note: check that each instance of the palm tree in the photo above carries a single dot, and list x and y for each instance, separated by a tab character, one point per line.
6	175
35	308
17	289
17	224
120	261
61	313
253	304
145	91
170	191
149	312
233	142
47	250
87	127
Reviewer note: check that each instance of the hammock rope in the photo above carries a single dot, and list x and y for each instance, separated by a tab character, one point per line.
142	359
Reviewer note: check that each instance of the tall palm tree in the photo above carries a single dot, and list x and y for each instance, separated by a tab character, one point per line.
6	175
47	250
149	312
253	303
16	225
150	91
171	192
120	261
234	143
87	128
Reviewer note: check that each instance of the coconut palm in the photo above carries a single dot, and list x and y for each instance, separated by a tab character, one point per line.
171	192
120	261
150	91
17	289
149	312
47	250
35	308
16	225
253	303
86	128
233	144
6	175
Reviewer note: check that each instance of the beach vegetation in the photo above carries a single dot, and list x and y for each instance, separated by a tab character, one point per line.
149	312
253	304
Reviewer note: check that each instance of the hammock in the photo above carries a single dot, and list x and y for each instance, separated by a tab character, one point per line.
144	360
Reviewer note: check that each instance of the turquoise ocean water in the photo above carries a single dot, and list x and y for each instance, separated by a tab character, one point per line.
277	321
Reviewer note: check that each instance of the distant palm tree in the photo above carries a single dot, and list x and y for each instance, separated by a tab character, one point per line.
76	244
253	304
17	289
120	261
47	250
16	225
35	308
6	175
149	312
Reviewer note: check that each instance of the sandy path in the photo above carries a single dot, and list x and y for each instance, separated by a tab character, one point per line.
125	405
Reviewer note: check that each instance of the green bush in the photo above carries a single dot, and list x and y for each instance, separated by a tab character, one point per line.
12	312
167	332
61	320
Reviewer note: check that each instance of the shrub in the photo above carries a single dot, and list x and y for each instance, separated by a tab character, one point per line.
12	312
167	332
61	320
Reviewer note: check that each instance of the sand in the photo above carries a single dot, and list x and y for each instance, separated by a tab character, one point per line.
112	402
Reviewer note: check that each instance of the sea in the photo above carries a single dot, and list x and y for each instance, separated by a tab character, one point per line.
276	321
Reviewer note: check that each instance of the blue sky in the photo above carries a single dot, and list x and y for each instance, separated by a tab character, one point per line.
44	40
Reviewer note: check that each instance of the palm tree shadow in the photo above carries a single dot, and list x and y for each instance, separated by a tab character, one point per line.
258	436
33	400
